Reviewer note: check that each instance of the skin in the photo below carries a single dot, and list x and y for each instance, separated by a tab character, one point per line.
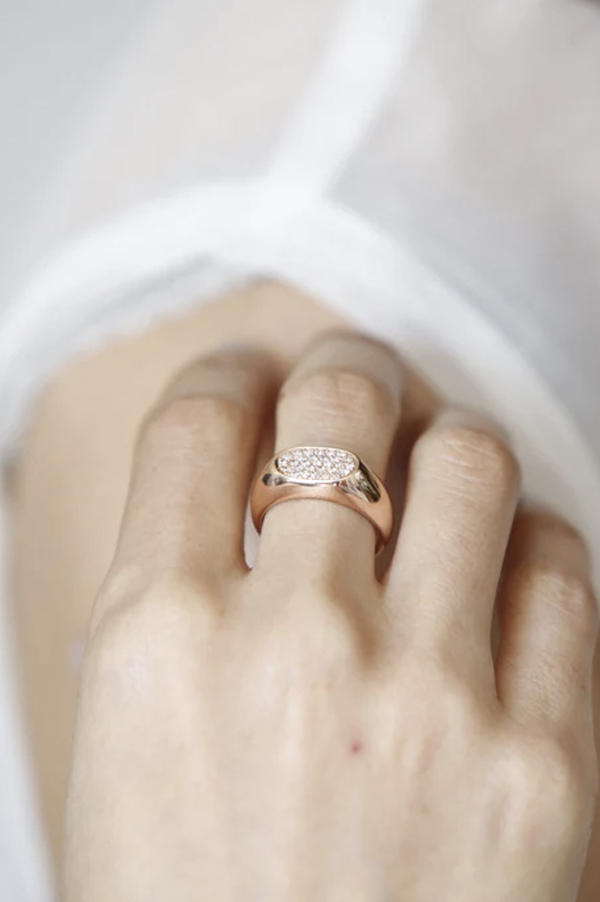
440	748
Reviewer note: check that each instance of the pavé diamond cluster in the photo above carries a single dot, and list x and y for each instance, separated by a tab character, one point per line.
317	464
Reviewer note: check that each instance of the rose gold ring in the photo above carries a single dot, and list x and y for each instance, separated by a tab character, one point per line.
326	474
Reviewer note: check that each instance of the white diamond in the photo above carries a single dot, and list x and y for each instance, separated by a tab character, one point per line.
317	464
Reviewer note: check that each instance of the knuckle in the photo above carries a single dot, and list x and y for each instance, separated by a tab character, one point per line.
461	705
549	523
445	696
121	585
152	621
322	632
566	786
561	766
478	456
548	781
441	713
342	393
305	658
211	417
567	592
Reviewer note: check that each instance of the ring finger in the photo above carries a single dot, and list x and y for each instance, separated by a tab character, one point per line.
345	393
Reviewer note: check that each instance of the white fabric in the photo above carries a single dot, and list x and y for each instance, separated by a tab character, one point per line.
427	169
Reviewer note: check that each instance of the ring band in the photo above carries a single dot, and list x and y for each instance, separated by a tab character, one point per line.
326	474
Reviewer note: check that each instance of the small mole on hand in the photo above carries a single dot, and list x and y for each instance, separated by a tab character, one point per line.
356	748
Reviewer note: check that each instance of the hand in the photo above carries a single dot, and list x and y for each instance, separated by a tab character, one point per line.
306	731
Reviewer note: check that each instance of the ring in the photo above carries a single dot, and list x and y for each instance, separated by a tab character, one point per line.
326	474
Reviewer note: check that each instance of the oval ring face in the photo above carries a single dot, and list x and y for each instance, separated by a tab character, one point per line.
315	464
